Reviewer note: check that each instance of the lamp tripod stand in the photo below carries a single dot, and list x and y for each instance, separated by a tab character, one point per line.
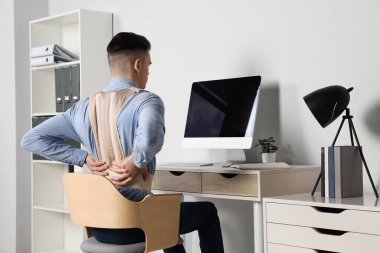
352	135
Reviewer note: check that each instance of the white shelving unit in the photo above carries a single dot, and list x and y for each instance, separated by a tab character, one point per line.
85	33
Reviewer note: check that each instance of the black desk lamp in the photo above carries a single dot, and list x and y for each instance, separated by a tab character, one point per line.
327	104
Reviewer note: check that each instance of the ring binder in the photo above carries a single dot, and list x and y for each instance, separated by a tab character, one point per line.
50	54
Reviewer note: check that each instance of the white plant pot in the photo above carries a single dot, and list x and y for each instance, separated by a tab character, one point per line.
268	157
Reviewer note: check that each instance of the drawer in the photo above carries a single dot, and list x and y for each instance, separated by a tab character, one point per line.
279	248
177	181
329	218
328	240
229	184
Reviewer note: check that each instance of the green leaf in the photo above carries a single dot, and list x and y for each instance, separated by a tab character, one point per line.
267	145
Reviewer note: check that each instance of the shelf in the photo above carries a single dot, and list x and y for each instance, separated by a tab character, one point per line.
54	232
52	67
45	114
58	208
48	162
52	228
64	19
47	184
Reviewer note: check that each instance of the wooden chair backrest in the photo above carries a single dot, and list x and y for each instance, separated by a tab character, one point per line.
93	201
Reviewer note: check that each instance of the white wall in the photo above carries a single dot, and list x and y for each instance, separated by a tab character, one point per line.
15	197
297	46
7	131
24	11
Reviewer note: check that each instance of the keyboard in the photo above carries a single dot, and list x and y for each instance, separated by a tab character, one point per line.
261	166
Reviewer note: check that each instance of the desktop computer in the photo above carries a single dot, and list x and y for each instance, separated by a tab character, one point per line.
222	115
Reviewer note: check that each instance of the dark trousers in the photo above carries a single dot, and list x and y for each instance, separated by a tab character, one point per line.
201	216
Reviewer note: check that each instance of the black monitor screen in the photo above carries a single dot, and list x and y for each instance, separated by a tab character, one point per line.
222	108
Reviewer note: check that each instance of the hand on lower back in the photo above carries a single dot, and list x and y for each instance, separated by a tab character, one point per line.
125	171
98	168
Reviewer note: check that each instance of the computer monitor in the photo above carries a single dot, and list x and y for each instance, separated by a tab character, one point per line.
222	113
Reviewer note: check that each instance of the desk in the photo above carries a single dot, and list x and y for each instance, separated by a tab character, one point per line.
229	183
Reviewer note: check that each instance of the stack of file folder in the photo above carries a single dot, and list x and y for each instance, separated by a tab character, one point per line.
342	172
50	54
67	87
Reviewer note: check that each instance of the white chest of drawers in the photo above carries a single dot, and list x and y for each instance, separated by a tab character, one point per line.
306	224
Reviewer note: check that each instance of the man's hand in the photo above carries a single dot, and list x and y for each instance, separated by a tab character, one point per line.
125	172
98	168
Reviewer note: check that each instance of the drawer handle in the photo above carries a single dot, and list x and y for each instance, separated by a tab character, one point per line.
176	173
328	209
324	251
228	175
329	231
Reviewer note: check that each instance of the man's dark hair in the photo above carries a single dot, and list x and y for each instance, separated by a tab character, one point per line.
127	41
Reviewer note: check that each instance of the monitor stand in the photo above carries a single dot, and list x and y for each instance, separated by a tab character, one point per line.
227	157
216	157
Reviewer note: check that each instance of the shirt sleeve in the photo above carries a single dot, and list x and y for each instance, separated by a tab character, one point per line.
47	140
150	131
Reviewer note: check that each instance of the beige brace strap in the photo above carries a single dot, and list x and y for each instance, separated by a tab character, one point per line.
103	110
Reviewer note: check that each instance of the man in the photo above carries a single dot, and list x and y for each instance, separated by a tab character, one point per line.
140	125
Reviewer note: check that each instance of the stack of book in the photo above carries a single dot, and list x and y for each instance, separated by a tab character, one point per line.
50	54
342	172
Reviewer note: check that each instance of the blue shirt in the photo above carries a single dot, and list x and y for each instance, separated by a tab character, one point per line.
140	123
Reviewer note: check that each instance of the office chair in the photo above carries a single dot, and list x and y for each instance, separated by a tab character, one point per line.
93	201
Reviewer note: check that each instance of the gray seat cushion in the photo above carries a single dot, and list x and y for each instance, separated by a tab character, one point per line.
91	245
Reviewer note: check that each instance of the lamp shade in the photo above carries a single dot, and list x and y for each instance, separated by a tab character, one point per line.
328	103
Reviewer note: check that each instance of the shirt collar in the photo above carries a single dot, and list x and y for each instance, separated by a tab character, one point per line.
118	83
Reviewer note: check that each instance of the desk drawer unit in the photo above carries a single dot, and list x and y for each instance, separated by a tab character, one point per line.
279	248
322	239
178	181
294	226
324	217
230	184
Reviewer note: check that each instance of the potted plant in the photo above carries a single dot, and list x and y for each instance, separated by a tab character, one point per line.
268	149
